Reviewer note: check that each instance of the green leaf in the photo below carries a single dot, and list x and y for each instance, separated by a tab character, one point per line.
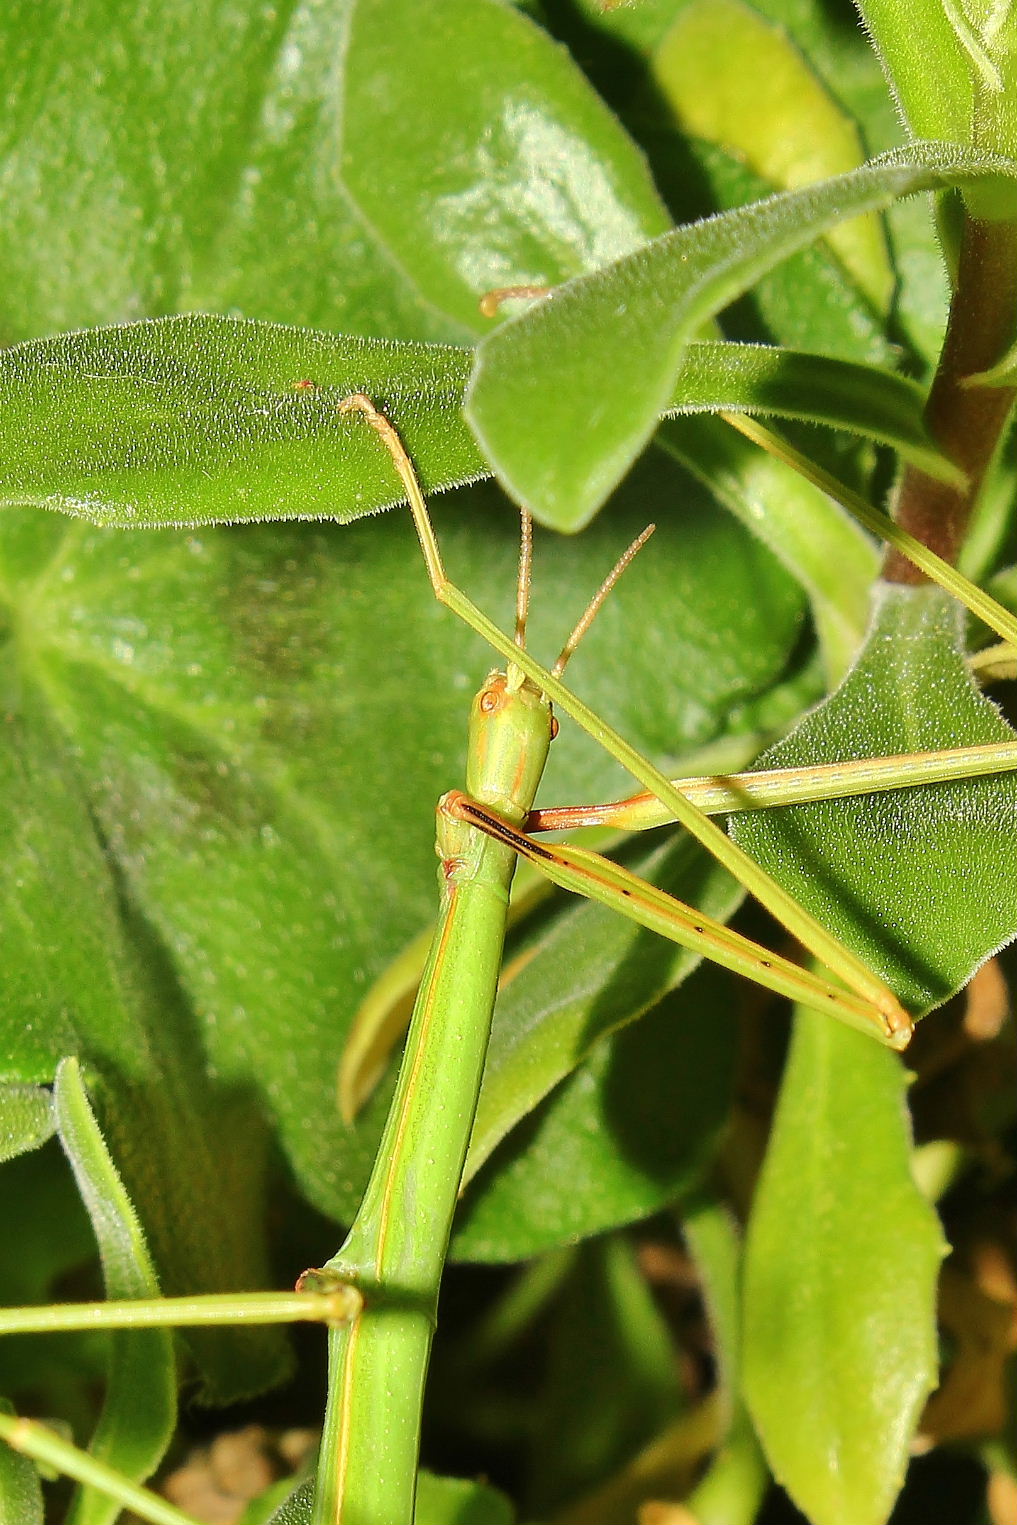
203	420
788	127
732	1489
632	1127
760	378
488	162
83	975
952	66
139	1413
296	1510
564	397
458	1501
182	160
925	65
440	1501
26	1119
258	721
840	1335
611	1381
54	1240
20	1488
549	1021
881	870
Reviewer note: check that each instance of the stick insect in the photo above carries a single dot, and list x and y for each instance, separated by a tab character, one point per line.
378	1294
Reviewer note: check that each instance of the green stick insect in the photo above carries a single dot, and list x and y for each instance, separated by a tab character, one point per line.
379	1293
399	1240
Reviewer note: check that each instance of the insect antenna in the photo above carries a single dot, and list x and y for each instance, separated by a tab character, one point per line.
523	580
590	612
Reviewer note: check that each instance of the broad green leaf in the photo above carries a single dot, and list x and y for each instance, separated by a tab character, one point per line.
839	1336
631	1128
139	1413
261	720
20	1488
564	397
205	420
82	976
881	871
479	153
180	158
26	1119
788	127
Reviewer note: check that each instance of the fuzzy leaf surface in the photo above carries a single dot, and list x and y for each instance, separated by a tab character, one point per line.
881	871
593	366
211	420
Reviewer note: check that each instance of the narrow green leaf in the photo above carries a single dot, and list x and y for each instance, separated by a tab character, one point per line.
840	1335
204	420
862	399
139	1413
880	870
480	155
21	1501
563	398
731	1490
26	1119
296	1510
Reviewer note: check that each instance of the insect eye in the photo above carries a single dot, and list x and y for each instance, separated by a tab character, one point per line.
554	726
489	701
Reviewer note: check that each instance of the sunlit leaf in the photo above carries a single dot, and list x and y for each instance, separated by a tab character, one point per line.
788	127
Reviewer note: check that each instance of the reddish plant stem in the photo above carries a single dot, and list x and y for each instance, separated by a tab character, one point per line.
966	422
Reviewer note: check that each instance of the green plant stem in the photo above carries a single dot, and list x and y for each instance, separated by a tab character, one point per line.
31	1438
965	421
